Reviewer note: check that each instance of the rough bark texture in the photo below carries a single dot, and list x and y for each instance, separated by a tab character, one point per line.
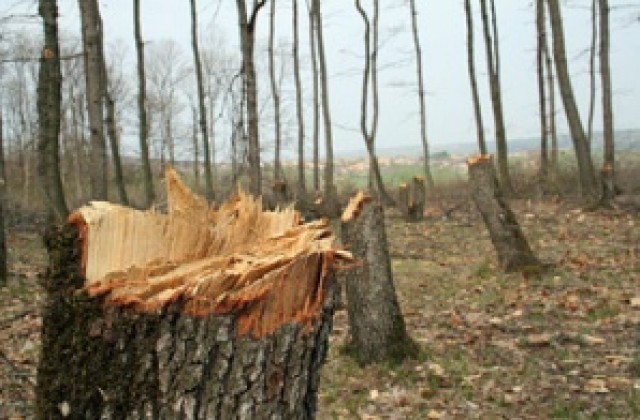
514	253
49	100
473	80
215	321
142	110
377	328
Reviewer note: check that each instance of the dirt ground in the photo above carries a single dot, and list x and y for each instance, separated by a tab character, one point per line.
558	344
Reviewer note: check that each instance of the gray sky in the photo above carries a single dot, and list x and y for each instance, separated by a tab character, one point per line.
443	35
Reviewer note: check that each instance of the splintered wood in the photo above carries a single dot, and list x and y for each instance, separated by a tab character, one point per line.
264	267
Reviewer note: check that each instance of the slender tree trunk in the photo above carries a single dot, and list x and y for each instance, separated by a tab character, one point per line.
542	98
111	125
331	205
90	17
421	94
49	100
370	73
316	97
142	110
473	80
196	147
553	133
247	41
580	143
493	70
592	69
608	165
302	184
277	168
202	111
3	188
377	328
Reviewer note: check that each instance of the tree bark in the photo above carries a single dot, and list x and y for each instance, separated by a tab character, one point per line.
275	94
493	70
316	97
541	32
514	253
553	133
377	328
202	110
331	204
49	100
421	98
247	41
609	189
302	183
132	343
3	192
93	71
580	143
142	110
473	79
592	69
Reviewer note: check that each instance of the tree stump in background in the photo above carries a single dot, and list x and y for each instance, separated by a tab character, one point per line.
378	331
281	194
514	253
417	198
196	314
403	200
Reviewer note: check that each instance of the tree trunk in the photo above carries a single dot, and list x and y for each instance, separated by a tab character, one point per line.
580	143
3	192
331	204
403	200
376	324
541	31
417	197
553	133
275	94
142	110
493	70
514	253
49	99
302	183
202	110
227	322
473	80
316	96
592	70
609	189
247	41
93	71
196	147
421	99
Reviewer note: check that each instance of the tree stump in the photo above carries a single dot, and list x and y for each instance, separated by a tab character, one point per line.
417	198
514	253
403	200
378	332
194	314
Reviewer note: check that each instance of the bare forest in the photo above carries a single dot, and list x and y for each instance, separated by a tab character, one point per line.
319	209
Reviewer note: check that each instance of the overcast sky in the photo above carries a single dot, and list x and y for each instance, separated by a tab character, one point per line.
443	35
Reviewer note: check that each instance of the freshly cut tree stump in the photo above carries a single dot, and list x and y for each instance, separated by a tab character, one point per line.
194	314
377	328
514	253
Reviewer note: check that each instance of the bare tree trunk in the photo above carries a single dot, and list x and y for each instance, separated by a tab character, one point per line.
473	80
277	168
609	189
580	143
543	174
247	40
316	97
302	183
142	110
592	69
4	273
493	70
514	253
196	147
90	17
371	71
553	133
110	123
331	205
49	99
421	99
377	328
234	349
202	110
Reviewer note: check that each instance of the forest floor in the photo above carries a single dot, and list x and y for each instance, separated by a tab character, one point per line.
558	344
